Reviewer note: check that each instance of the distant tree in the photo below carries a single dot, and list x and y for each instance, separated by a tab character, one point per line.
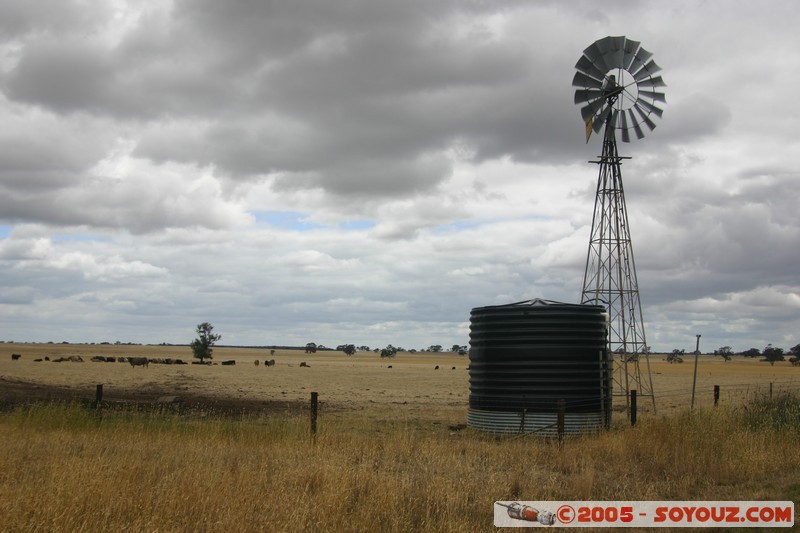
202	345
675	356
795	359
349	349
772	354
463	350
389	351
364	349
752	352
311	347
435	348
725	352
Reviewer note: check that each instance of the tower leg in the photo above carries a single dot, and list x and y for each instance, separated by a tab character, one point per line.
610	278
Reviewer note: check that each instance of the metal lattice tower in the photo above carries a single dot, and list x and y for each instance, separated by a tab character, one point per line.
610	276
617	90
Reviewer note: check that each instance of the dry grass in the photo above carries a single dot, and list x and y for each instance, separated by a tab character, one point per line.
66	469
411	390
384	458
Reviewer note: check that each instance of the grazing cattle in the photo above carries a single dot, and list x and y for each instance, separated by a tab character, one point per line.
37	360
271	362
15	356
46	358
229	362
256	362
453	368
139	361
98	359
437	367
304	364
180	362
76	358
390	366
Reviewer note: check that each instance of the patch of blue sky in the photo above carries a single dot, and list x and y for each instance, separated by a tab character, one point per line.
292	220
357	225
458	225
78	237
5	231
468	224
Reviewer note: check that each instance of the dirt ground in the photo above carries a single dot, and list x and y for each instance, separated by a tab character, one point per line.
407	387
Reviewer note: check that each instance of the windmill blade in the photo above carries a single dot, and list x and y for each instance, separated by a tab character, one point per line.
645	118
616	51
615	118
650	124
595	53
653	95
652	82
638	130
631	47
601	119
590	111
626	135
631	119
650	107
648	69
586	66
583	80
639	60
588	95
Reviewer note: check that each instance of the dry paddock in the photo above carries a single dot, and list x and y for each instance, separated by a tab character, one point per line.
406	387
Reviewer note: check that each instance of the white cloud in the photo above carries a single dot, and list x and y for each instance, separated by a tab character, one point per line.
368	172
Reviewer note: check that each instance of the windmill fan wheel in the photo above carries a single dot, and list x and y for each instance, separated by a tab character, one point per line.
618	86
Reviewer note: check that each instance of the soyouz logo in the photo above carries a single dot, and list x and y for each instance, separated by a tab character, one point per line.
644	514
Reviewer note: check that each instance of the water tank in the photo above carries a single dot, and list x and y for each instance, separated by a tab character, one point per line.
528	358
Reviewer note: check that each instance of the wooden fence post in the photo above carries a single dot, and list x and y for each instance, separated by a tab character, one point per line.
98	396
314	406
560	421
633	407
716	395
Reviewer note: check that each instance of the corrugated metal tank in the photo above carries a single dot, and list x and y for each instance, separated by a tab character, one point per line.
525	357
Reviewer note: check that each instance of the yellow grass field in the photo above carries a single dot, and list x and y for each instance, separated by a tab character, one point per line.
388	456
362	385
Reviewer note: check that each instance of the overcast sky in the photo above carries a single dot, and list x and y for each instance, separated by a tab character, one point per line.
368	171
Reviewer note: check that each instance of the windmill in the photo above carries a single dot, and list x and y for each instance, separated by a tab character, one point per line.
617	90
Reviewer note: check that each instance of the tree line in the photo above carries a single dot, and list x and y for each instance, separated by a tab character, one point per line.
770	354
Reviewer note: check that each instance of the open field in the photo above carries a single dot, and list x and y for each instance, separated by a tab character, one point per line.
385	457
361	385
